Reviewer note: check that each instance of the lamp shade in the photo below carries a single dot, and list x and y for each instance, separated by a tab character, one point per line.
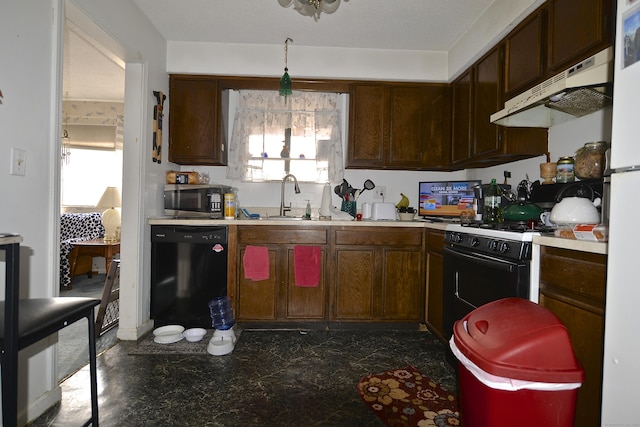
110	217
110	198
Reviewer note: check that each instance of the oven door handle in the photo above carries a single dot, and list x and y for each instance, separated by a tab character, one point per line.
501	265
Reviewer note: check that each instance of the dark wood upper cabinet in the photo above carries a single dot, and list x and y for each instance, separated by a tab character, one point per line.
407	141
576	30
391	126
368	117
487	100
524	55
195	125
476	141
461	133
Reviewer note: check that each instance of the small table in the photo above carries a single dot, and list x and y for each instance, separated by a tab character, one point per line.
93	248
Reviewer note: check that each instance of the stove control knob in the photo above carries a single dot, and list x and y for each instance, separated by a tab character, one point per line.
504	248
475	242
493	245
456	238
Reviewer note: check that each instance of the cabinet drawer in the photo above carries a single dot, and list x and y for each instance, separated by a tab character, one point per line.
435	241
379	236
298	235
580	273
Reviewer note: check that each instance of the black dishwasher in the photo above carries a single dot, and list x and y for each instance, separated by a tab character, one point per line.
188	269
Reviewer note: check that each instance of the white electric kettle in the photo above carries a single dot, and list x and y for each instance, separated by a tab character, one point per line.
580	208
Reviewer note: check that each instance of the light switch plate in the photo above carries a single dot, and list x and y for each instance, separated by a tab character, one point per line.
18	161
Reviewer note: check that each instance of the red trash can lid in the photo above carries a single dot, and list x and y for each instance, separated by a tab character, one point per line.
518	339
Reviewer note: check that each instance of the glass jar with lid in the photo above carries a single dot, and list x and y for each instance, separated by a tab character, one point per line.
565	170
590	160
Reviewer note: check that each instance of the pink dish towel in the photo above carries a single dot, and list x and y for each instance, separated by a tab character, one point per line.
256	262
306	261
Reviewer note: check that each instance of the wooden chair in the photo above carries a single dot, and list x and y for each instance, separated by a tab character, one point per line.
27	321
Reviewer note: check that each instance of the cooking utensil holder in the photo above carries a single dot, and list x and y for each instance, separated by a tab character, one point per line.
349	206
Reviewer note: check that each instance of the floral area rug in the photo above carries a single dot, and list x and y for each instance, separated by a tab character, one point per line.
405	397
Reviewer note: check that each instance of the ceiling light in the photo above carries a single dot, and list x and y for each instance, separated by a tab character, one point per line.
312	7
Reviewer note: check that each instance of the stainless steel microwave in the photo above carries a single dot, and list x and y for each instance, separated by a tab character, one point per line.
187	200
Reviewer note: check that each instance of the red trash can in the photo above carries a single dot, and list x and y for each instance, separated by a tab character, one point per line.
516	366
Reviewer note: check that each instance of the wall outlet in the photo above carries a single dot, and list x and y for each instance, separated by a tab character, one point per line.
380	192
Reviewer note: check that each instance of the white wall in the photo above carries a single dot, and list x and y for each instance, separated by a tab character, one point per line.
28	122
30	80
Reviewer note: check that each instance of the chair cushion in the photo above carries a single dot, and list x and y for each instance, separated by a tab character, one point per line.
41	317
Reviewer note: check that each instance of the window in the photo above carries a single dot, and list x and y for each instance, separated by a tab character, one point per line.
273	136
88	173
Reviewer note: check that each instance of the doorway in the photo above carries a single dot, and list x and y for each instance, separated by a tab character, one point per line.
92	143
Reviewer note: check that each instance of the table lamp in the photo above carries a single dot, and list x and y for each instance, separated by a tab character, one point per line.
110	217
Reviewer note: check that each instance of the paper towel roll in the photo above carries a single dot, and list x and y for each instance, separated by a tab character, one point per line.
325	206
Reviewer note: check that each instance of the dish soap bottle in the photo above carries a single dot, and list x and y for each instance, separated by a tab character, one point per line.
492	204
307	214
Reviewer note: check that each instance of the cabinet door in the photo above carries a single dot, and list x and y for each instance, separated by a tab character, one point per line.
354	286
305	302
439	130
435	269
402	285
486	101
407	140
577	29
462	118
194	122
257	299
572	285
368	115
524	61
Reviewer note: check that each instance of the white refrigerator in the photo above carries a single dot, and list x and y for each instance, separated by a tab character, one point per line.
621	375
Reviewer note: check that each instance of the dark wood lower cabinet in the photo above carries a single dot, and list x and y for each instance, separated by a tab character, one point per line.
379	274
278	298
434	262
367	275
354	284
572	285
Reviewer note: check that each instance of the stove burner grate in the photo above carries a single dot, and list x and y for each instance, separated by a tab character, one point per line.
515	226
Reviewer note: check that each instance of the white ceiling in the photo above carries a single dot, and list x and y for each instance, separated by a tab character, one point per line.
431	25
92	73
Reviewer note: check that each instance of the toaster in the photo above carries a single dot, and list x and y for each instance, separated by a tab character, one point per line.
383	211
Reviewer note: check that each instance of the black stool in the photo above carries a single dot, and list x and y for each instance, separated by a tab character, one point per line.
25	322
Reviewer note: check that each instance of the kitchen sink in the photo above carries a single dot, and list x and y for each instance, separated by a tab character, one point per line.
284	218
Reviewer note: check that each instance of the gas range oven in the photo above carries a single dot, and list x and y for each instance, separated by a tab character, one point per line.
484	263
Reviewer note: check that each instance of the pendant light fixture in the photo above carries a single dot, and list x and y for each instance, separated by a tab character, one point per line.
285	80
312	7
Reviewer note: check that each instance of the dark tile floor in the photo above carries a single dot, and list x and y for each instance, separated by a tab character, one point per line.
272	378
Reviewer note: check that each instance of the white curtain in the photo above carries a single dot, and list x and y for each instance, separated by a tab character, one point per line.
311	114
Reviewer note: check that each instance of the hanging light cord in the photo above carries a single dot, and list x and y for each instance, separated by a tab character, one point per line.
286	52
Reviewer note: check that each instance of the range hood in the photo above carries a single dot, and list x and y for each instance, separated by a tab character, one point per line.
580	90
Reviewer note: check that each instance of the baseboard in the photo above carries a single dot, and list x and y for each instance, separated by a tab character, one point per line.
41	405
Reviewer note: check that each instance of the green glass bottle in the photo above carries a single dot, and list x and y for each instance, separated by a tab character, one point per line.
492	204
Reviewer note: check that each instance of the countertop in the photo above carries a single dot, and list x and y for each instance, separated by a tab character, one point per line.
548	240
295	223
572	244
8	239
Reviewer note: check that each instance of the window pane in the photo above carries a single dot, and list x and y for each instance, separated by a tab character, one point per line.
88	174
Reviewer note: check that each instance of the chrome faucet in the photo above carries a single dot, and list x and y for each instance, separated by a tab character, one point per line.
296	188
